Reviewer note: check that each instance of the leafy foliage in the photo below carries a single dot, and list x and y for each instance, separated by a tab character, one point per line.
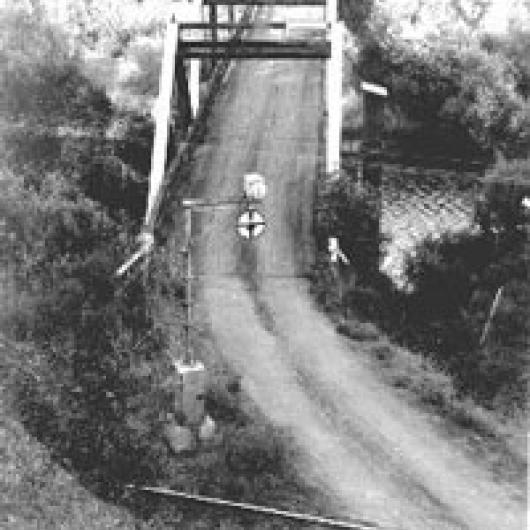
58	122
351	213
501	207
44	85
99	387
356	14
515	46
87	324
455	280
453	84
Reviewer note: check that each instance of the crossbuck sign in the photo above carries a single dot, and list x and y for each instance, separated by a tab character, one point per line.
250	224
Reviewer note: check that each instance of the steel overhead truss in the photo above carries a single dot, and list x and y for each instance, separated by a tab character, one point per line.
255	49
186	82
232	25
265	2
316	47
328	46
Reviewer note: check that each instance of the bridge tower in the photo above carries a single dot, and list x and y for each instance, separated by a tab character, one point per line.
194	34
189	38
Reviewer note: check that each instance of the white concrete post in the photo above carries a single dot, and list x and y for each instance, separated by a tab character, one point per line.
194	13
162	114
331	11
334	97
194	86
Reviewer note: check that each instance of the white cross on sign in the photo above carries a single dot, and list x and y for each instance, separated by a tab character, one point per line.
335	253
250	224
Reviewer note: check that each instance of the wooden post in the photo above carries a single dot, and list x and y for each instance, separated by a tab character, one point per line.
373	124
371	168
493	310
372	129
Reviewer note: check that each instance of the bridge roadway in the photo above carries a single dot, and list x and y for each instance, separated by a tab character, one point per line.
374	454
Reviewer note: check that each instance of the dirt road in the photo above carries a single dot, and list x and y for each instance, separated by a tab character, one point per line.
380	459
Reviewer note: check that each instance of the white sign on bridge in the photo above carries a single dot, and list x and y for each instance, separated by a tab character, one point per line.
250	224
254	186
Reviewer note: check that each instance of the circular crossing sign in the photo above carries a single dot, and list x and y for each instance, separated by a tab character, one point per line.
250	224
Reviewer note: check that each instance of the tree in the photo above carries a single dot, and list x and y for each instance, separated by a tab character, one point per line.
500	209
44	86
356	14
471	11
455	280
515	46
452	84
72	231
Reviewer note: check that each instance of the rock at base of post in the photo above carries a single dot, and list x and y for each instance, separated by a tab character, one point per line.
179	438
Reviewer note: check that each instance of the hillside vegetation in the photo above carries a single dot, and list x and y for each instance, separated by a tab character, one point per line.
87	361
88	385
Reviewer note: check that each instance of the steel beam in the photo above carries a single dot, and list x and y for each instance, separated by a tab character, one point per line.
254	49
266	2
233	25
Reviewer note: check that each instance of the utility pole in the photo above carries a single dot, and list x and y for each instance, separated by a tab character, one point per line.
190	372
188	356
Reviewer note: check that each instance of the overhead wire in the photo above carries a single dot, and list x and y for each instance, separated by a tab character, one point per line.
354	524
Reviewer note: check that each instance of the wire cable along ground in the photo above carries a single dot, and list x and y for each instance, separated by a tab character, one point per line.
263	510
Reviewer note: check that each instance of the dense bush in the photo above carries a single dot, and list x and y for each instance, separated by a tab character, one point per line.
44	85
515	46
91	402
350	212
453	85
100	386
73	206
455	280
500	208
356	14
56	120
